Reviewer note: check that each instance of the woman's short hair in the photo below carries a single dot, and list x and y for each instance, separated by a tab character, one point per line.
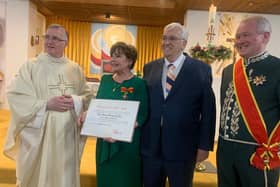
128	50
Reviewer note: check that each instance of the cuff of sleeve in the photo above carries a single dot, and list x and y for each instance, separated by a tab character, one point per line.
78	104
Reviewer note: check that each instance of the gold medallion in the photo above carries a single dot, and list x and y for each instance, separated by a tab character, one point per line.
124	96
259	80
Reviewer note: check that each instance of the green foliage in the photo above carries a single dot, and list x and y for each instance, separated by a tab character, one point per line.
210	53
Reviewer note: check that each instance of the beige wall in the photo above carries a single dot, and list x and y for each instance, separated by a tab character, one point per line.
197	24
22	21
37	25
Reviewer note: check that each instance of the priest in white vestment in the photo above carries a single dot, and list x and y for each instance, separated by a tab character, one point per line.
45	98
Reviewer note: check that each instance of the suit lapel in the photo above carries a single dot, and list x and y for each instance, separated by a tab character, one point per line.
159	76
157	70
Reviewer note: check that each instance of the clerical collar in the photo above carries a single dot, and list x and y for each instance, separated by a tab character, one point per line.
256	58
52	59
177	62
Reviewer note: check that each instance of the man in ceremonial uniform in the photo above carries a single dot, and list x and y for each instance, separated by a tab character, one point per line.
249	136
45	97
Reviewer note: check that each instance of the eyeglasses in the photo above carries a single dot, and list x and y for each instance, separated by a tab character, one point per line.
53	38
171	38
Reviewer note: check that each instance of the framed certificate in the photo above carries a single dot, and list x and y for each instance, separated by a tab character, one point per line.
111	118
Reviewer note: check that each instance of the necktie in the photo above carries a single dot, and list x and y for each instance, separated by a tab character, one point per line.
170	78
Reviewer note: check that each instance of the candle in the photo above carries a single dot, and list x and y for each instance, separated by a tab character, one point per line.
211	24
212	15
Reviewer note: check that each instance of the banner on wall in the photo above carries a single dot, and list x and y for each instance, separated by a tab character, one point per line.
102	38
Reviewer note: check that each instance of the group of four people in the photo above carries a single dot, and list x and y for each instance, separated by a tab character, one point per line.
175	124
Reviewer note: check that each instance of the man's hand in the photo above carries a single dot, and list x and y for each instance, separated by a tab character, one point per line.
60	103
201	155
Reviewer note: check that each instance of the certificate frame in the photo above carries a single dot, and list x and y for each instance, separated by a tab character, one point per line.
107	118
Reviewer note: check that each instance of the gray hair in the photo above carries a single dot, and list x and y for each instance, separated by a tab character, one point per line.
262	24
58	26
184	33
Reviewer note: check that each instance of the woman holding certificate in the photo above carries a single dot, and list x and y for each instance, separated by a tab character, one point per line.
118	163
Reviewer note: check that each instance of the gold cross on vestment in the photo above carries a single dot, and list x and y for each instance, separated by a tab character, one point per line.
62	86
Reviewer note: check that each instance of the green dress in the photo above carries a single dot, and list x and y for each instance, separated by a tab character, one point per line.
119	163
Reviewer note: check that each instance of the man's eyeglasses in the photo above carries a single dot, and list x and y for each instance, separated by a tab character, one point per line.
171	38
53	38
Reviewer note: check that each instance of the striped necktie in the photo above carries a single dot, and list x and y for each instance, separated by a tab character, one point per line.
170	78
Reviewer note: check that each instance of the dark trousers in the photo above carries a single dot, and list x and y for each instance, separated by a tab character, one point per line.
235	170
157	170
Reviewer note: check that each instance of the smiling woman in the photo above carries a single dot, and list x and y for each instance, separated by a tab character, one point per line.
120	161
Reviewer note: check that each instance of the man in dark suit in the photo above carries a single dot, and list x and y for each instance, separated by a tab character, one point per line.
181	125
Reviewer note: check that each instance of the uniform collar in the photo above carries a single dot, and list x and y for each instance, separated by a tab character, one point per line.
257	58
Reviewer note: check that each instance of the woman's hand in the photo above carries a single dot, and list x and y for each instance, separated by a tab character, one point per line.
136	124
110	140
81	118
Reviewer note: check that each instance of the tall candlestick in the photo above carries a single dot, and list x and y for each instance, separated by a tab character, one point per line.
212	15
211	24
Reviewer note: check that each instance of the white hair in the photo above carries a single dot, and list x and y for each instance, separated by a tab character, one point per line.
262	24
184	33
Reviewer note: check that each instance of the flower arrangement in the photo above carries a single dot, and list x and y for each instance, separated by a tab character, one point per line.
210	53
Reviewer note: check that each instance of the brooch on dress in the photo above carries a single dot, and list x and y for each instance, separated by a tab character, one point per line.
125	91
259	80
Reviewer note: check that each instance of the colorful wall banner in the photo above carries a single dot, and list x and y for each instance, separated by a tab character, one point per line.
102	38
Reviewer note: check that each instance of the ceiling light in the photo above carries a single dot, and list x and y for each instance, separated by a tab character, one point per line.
107	15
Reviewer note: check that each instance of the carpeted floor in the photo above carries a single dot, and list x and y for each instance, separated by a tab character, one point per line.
209	167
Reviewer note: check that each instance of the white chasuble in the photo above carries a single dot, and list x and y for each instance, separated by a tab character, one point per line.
45	144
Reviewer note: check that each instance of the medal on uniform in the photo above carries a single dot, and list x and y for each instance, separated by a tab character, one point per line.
259	80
